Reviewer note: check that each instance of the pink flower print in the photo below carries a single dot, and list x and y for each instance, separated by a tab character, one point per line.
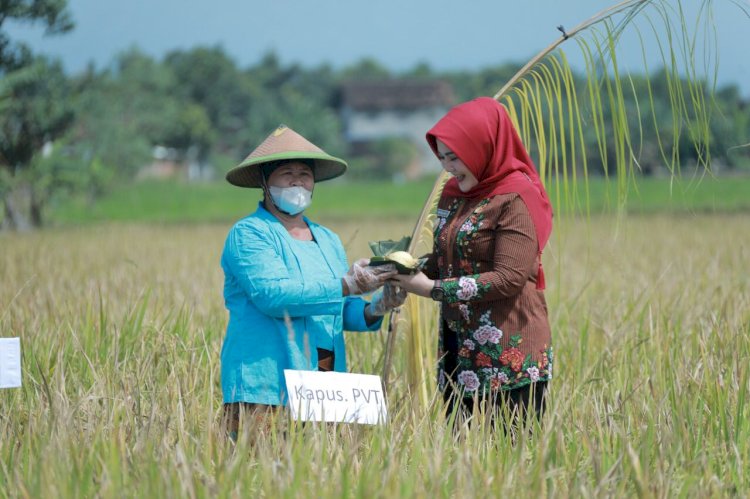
494	335
469	379
497	380
481	335
467	226
464	308
533	373
469	344
488	334
468	287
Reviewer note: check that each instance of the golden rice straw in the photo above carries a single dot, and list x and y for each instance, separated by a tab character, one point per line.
443	177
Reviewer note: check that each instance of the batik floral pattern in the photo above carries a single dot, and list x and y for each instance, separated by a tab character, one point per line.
487	332
490	367
469	380
465	311
487	358
485	365
466	286
468	231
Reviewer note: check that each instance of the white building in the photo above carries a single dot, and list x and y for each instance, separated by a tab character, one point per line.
406	108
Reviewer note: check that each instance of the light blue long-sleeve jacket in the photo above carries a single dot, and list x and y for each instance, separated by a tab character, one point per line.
270	301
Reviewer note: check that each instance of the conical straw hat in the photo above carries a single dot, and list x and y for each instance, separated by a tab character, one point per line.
285	143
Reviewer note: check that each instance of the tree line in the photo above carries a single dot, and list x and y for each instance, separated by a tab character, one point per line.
81	134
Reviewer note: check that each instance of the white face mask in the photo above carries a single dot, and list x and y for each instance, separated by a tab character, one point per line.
291	200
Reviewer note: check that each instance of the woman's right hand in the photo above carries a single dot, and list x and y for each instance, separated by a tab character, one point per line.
361	278
418	283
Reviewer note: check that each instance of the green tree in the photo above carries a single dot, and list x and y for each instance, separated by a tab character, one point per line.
34	107
366	69
37	112
468	85
301	99
124	112
210	81
53	14
420	70
386	159
243	106
107	130
730	130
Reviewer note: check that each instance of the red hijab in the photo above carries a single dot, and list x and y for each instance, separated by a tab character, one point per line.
481	134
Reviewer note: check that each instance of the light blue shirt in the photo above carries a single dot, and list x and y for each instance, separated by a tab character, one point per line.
280	311
309	256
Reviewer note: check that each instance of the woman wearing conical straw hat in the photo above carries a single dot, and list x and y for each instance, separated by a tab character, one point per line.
288	288
493	220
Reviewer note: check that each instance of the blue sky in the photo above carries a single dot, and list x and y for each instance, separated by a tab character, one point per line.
398	33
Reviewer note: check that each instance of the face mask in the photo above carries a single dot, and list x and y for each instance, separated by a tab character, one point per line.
291	200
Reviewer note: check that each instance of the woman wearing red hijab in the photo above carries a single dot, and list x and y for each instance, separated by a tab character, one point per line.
493	220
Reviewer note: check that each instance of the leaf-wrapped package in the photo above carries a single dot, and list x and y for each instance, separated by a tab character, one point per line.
389	251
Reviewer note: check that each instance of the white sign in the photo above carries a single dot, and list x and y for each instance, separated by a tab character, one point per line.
10	362
332	396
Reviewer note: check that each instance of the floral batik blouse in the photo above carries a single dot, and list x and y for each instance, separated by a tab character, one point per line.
487	256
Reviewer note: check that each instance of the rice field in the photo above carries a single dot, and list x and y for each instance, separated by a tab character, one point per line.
121	329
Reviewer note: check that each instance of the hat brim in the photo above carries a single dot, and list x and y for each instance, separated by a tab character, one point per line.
248	173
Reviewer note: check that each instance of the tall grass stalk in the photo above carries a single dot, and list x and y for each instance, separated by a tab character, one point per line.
553	116
121	329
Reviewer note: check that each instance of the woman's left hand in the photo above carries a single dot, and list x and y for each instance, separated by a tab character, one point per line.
418	284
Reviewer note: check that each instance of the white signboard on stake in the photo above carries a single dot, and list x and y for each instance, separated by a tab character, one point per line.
10	362
332	396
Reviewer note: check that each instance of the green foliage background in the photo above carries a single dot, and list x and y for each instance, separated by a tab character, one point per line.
102	124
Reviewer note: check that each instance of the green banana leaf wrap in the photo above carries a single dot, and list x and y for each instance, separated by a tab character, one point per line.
383	249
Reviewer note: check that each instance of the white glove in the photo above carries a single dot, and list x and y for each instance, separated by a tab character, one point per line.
390	297
361	278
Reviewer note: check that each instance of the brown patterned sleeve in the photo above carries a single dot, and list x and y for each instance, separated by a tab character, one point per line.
514	261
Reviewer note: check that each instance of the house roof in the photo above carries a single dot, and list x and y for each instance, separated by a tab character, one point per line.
396	94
